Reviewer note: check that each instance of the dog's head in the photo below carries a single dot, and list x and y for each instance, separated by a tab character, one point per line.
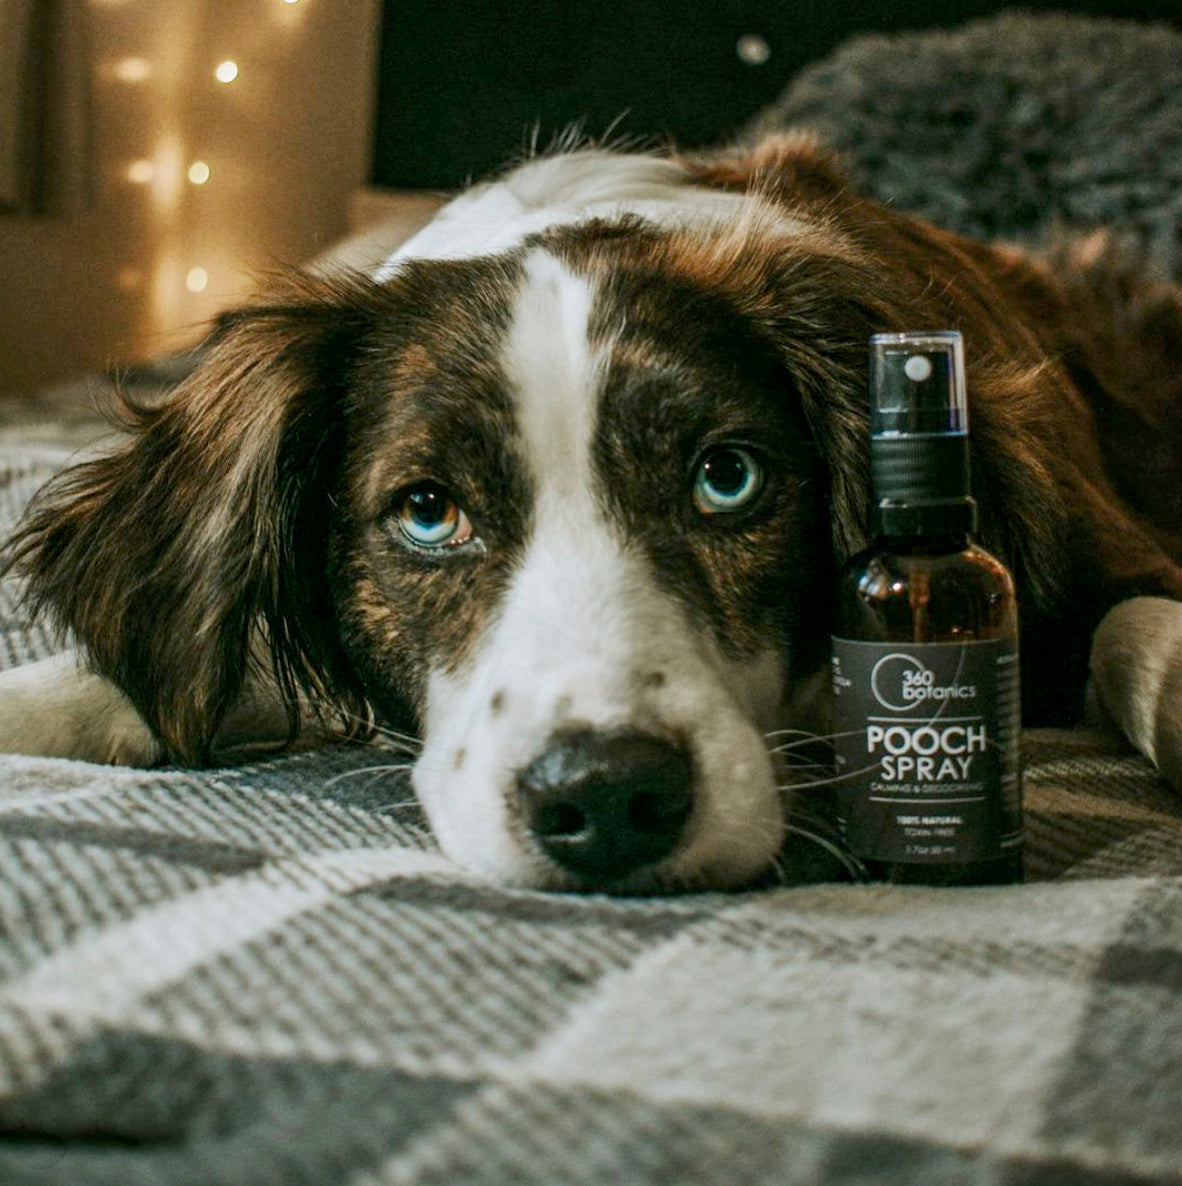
566	493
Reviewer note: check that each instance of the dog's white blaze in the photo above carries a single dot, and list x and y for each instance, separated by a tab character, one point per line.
580	632
555	377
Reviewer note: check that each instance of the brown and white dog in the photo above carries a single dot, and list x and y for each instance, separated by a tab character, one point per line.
563	488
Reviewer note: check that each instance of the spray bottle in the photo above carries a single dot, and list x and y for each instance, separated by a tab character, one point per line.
925	644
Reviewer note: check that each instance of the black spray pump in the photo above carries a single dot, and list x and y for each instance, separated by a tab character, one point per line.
919	436
925	643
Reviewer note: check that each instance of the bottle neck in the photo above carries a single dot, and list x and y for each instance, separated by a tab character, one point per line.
921	485
923	519
923	545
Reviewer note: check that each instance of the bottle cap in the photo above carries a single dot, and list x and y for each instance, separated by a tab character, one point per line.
919	421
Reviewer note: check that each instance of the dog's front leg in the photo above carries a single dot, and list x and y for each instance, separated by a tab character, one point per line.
56	708
1137	677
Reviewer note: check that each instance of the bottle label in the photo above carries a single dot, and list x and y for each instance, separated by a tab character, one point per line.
927	741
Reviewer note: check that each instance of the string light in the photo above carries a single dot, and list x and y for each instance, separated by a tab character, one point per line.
140	172
131	70
173	282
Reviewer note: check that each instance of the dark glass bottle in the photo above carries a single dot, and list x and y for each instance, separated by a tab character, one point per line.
925	646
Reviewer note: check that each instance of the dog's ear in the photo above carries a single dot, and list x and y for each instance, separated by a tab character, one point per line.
841	267
166	557
821	305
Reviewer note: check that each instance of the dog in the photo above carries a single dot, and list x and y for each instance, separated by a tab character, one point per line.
562	488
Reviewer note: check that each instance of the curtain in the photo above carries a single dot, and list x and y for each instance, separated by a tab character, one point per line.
45	117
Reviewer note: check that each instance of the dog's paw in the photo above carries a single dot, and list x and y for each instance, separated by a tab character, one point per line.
1137	677
56	708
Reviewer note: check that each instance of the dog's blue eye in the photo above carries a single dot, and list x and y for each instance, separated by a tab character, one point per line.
430	517
728	479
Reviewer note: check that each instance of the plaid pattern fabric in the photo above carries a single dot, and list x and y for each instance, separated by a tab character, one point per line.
268	974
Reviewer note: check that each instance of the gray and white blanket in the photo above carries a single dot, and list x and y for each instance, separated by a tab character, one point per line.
267	974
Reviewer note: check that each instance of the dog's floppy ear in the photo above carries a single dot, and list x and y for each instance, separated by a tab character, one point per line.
821	308
842	267
165	557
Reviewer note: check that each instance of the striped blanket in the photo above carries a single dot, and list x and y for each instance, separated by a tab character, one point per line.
267	974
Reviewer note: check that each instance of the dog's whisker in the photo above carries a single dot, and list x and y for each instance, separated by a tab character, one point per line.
385	769
803	733
408	741
791	754
378	746
797	759
811	784
391	735
846	859
780	870
794	767
815	739
407	746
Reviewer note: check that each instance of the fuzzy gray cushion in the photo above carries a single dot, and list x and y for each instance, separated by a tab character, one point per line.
1013	127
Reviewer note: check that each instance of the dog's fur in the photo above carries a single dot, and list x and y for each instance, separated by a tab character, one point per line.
559	350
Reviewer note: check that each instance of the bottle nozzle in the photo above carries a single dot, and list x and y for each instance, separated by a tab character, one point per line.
919	435
917	384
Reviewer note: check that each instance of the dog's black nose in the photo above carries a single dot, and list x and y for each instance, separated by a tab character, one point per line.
604	805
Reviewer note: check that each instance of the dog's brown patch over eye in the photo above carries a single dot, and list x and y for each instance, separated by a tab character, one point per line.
437	490
704	452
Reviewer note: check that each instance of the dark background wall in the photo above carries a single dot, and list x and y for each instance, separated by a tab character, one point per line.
464	82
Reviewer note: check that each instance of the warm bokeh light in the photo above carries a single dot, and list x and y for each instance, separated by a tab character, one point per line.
168	175
213	143
753	50
131	70
140	172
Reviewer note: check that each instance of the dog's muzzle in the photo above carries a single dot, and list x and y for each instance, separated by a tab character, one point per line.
606	805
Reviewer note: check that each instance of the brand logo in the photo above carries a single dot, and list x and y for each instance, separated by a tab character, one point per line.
901	682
